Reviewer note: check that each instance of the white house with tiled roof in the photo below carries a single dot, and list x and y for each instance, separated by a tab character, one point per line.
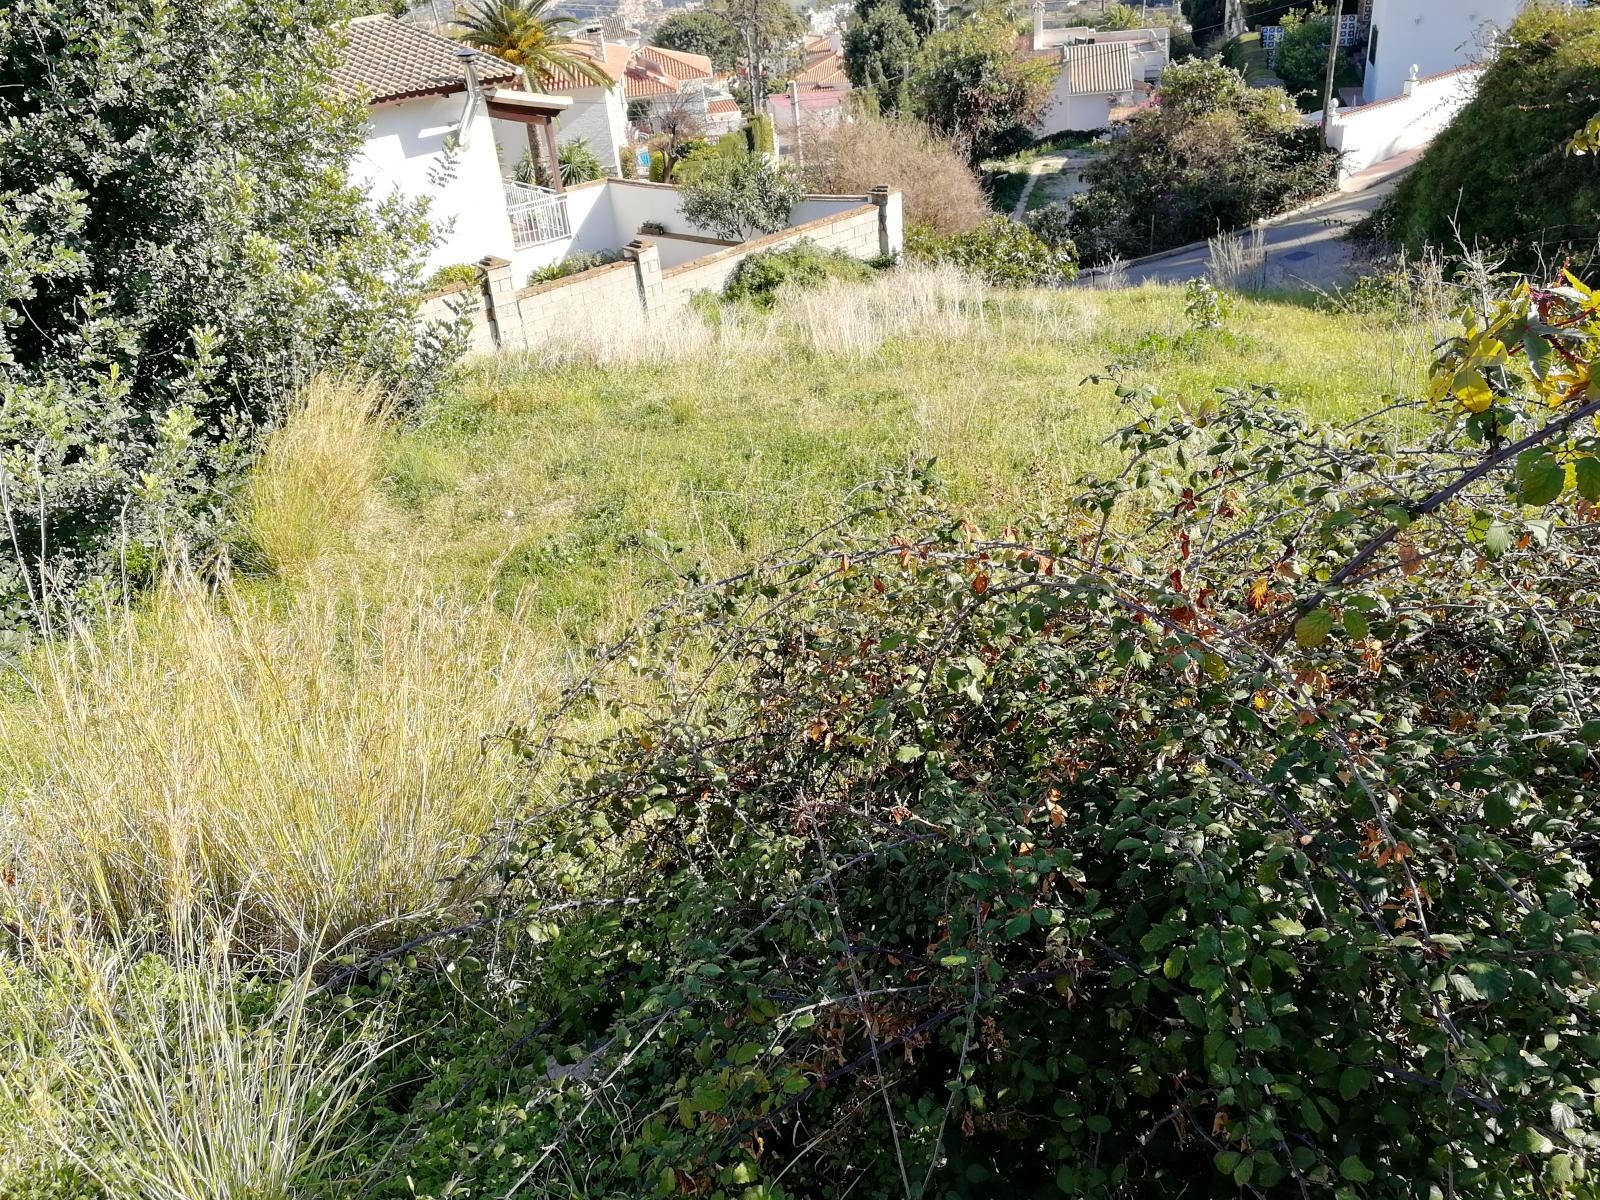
660	81
437	115
1101	74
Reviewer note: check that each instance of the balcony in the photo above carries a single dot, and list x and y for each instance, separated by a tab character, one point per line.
538	215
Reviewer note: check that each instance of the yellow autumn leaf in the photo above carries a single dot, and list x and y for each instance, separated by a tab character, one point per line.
1472	390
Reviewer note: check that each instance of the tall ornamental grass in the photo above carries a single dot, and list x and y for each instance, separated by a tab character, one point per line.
312	755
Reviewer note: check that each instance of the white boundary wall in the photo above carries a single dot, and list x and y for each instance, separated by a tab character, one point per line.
1373	132
658	275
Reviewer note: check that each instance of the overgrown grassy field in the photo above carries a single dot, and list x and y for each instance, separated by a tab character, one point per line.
296	749
551	481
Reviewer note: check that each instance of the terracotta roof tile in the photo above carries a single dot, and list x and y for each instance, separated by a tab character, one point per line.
388	59
723	108
823	69
640	84
613	61
677	63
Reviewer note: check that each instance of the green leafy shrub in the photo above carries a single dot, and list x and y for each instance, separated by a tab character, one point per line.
1001	252
1505	153
970	87
760	277
1052	225
579	163
1205	306
454	273
184	249
739	198
573	264
1211	154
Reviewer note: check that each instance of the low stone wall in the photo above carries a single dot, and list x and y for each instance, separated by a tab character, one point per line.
639	289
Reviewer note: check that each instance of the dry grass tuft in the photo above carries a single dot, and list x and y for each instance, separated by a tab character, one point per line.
316	763
854	320
937	186
170	1078
313	488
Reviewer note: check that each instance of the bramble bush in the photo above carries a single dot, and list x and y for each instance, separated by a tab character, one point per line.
1231	835
760	277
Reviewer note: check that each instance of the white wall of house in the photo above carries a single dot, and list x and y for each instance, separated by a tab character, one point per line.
404	150
599	115
1433	35
1374	132
511	140
1064	111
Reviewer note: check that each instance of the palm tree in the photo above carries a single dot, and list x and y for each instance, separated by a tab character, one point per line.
523	33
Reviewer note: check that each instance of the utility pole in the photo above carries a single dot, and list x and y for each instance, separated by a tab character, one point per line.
794	113
1333	68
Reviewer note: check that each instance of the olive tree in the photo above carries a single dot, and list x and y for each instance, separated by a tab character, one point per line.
741	197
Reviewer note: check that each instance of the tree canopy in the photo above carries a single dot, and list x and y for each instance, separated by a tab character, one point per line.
699	32
183	249
970	86
880	47
1212	154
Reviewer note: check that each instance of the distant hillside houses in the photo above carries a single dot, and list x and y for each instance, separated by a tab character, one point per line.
1103	76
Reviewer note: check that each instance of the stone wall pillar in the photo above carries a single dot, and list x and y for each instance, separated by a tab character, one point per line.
646	258
500	304
1038	24
891	221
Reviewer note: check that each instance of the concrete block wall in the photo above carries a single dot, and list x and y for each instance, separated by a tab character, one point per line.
641	288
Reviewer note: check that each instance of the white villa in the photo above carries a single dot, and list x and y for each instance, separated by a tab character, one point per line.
1422	61
448	125
1103	73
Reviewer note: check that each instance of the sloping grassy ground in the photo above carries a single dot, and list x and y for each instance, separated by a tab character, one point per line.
547	481
296	750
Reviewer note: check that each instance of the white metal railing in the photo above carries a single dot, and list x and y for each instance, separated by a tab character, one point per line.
537	214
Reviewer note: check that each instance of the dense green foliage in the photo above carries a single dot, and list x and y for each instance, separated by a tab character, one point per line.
880	46
1002	252
573	264
1229	832
760	277
699	32
1212	155
454	273
1302	61
970	87
579	163
182	251
1206	17
739	198
1498	176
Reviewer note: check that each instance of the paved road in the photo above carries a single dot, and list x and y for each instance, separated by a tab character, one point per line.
1305	250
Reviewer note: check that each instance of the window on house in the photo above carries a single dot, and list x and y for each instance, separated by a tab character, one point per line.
1372	48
